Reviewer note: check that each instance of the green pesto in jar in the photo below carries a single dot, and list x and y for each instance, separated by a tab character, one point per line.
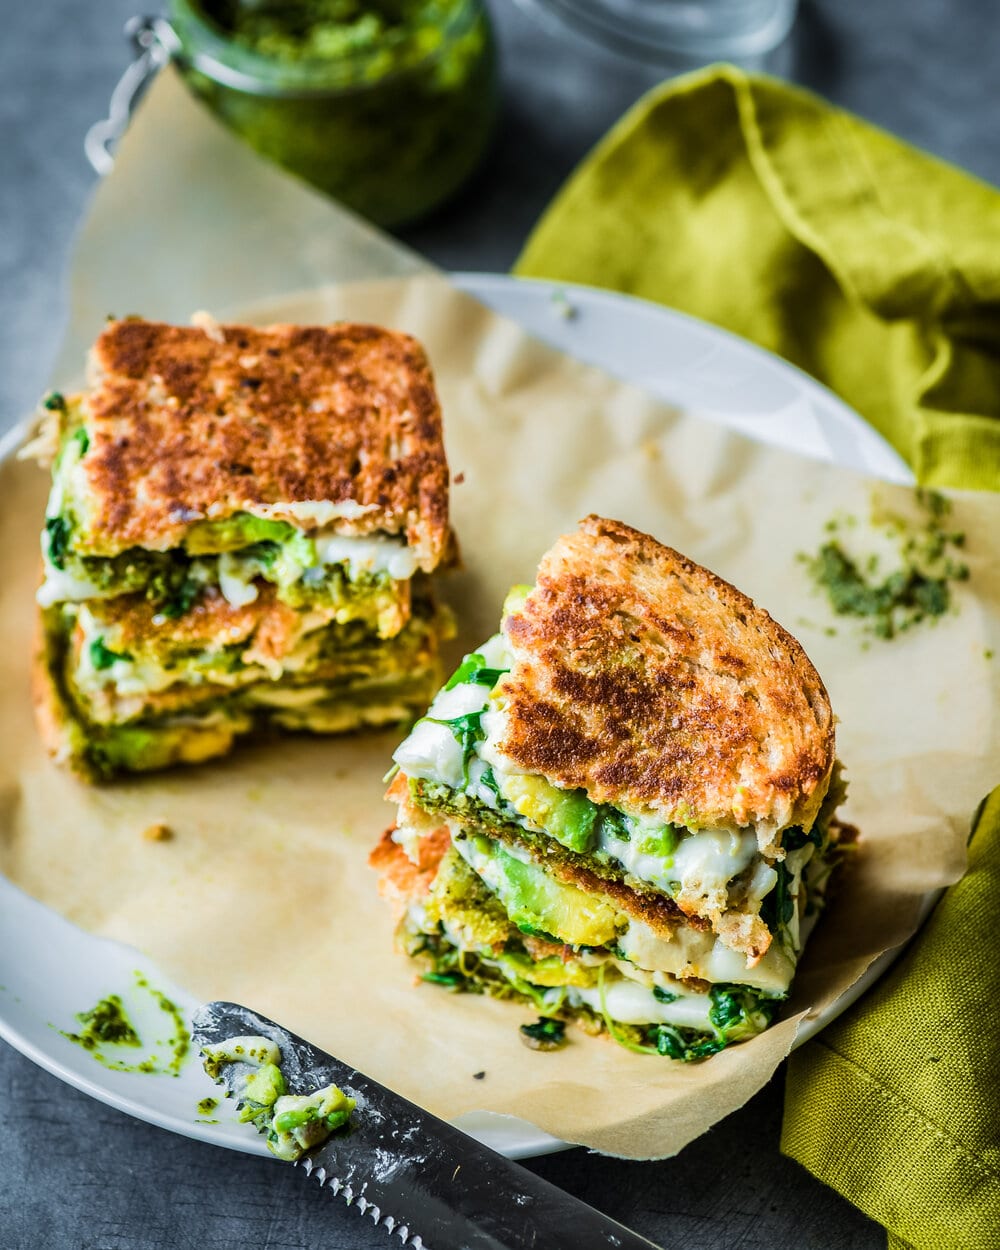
388	105
398	32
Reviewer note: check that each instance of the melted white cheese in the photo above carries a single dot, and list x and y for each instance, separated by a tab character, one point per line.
255	1051
372	554
236	580
697	953
62	587
704	862
629	1003
431	752
314	511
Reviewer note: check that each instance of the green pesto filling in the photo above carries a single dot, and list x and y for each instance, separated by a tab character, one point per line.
173	580
302	30
156	743
466	942
441	800
777	906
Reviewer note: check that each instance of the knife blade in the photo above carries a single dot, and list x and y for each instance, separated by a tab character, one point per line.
420	1178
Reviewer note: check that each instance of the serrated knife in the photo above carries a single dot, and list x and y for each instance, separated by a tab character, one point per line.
422	1180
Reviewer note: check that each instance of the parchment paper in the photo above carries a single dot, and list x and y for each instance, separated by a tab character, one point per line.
263	896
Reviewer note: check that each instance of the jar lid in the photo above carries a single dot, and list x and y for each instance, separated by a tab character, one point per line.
664	30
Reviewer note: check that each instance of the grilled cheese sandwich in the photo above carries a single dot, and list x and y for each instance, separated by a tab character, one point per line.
637	780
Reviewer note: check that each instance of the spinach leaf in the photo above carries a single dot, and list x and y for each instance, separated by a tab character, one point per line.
795	839
737	1012
613	822
451	980
103	657
680	1044
467	730
57	529
473	669
778	906
547	1034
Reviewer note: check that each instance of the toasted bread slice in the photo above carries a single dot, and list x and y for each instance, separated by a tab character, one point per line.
316	425
655	686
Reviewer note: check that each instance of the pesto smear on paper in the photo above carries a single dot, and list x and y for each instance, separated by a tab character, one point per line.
894	573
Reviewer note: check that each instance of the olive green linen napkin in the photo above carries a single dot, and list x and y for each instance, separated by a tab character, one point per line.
757	206
897	1104
875	268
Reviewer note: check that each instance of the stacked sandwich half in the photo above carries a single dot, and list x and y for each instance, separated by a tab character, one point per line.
239	534
621	808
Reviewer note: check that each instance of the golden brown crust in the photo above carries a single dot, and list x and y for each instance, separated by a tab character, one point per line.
131	623
402	881
659	911
184	426
652	684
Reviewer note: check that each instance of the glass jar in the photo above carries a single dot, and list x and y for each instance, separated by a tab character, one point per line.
681	33
391	126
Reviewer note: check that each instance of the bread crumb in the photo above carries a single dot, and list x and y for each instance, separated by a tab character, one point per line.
204	321
458	479
158	833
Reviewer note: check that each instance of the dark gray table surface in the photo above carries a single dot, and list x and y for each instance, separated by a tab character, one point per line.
76	1175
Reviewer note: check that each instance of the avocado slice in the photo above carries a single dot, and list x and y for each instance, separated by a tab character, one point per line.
232	533
566	815
536	902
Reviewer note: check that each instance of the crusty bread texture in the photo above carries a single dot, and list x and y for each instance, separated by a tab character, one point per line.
189	423
654	685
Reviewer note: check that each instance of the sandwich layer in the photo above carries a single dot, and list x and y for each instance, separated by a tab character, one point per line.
105	722
362	577
122	662
648	993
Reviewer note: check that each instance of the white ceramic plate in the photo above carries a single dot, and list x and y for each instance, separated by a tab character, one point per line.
49	968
